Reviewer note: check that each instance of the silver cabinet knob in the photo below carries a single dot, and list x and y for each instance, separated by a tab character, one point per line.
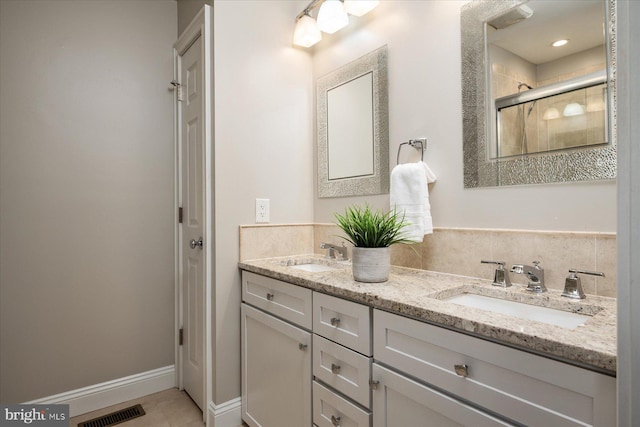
270	296
193	243
335	321
302	347
335	369
462	370
335	420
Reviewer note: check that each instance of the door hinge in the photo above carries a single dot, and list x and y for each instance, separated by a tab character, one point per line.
180	215
181	336
178	88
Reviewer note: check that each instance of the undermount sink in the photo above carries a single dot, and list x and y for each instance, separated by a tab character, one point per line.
313	268
547	315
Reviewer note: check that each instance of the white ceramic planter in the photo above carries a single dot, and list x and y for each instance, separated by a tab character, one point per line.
371	265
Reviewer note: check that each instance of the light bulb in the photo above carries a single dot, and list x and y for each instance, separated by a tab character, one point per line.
360	7
306	33
332	17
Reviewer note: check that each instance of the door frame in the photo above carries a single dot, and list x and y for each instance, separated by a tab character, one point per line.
200	26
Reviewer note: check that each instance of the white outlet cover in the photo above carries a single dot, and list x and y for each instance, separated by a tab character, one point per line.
262	210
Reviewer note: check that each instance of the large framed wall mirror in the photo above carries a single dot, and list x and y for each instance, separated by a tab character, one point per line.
538	82
353	131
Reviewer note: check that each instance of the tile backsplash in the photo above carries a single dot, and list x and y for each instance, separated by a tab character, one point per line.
459	251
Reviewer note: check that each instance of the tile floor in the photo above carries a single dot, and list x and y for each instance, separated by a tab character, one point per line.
169	408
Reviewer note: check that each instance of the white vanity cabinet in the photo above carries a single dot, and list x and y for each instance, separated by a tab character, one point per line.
276	353
308	357
528	389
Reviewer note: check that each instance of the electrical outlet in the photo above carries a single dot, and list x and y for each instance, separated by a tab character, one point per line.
262	210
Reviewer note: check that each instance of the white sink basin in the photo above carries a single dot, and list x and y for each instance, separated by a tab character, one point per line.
550	316
313	268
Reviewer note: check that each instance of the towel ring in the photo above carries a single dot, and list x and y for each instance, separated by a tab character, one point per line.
418	144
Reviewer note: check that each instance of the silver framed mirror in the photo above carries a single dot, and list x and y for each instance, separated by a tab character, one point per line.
485	162
353	128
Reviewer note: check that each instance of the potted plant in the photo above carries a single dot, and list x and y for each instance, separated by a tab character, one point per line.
371	234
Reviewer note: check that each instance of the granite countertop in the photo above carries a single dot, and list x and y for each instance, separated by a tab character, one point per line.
415	293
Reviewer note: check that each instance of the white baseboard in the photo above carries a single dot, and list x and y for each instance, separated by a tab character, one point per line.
110	393
226	414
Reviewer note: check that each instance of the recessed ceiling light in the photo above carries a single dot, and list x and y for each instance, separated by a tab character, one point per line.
559	43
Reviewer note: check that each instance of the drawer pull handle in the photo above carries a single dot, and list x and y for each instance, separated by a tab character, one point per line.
335	369
462	370
302	347
335	321
335	420
373	384
270	296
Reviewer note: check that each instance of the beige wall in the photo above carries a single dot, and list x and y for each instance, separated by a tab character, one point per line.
425	100
263	148
86	193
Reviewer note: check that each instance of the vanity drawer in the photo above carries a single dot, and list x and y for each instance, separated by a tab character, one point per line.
526	388
331	410
287	301
343	369
342	321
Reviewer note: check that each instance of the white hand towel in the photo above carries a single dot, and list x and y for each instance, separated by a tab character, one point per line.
409	195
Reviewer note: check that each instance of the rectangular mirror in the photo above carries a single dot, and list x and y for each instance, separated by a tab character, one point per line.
532	112
353	135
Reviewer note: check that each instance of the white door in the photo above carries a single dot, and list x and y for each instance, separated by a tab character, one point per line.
192	110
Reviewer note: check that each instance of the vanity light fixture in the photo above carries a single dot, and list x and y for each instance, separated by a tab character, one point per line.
307	32
559	43
332	16
360	7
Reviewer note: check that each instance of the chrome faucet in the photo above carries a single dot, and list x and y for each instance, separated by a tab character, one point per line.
535	275
332	249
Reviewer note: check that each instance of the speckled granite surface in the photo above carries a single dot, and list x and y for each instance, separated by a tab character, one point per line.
416	293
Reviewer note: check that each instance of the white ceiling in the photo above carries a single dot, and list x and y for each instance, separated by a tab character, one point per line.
579	21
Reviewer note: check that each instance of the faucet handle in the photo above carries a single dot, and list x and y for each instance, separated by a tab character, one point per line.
501	276
573	284
500	263
575	271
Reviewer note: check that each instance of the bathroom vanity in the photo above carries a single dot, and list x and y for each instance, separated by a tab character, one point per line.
320	349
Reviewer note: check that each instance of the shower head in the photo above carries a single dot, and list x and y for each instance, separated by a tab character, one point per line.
514	16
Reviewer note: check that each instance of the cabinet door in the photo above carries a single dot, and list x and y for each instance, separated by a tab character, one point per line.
276	371
400	401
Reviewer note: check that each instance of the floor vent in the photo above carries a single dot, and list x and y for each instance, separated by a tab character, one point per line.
115	417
